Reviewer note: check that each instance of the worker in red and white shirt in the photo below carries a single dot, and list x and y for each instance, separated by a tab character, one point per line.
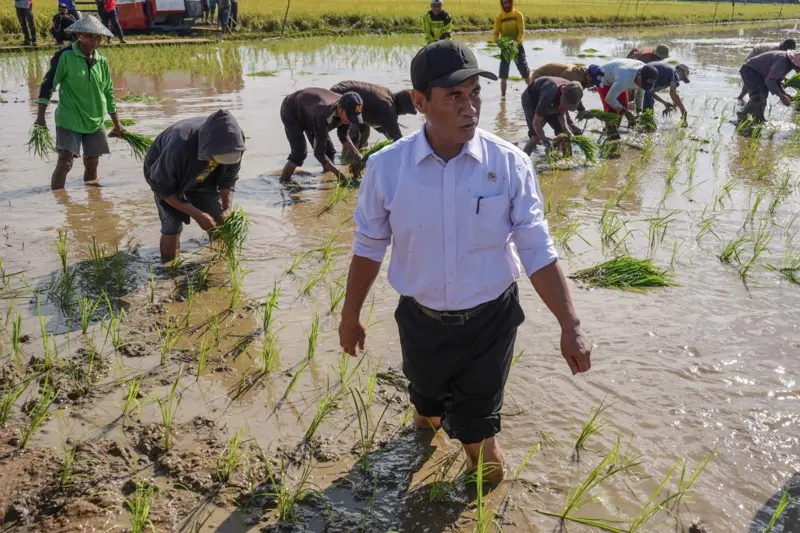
25	16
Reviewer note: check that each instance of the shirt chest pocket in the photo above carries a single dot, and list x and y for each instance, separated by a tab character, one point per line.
490	224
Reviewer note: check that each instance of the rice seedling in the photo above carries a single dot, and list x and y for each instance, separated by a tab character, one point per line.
751	214
87	308
270	304
168	409
16	336
8	397
62	247
685	483
604	116
657	229
313	338
131	400
372	380
139	505
647	121
783	503
214	326
367	431
794	81
297	259
269	353
586	146
442	485
624	272
789	269
231	234
314	278
357	167
565	232
236	293
725	192
325	407
113	328
138	143
485	518
168	336
151	284
517	471
66	473
341	192
39	413
190	294
611	230
780	194
293	381
760	244
517	357
138	98
286	497
40	141
124	122
594	424
336	291
202	358
733	249
651	507
229	459
509	49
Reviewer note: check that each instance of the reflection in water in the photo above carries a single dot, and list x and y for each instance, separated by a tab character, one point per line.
99	218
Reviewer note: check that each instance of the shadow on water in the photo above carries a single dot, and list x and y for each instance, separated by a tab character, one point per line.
789	520
371	500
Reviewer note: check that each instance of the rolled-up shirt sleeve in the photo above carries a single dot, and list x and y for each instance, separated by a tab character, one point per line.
528	225
373	232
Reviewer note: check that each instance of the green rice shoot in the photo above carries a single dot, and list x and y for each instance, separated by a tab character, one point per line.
509	49
605	117
231	234
647	121
357	167
41	142
794	81
586	146
625	272
139	144
124	122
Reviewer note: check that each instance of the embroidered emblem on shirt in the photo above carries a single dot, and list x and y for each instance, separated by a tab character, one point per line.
211	166
492	176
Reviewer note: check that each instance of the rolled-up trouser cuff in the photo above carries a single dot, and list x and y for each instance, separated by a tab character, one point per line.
469	430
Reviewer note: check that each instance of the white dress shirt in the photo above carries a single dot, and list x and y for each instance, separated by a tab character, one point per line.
452	223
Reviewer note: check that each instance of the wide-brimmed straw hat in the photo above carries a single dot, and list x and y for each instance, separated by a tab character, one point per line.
89	24
794	56
661	51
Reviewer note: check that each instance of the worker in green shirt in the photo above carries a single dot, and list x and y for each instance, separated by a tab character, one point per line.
437	22
510	23
86	95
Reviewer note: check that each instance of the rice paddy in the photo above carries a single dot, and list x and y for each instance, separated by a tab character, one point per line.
213	390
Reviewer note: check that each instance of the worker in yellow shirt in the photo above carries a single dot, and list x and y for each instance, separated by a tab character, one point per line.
510	23
437	23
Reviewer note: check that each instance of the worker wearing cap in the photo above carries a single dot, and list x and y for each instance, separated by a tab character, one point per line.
648	55
61	21
192	168
621	76
669	77
86	95
437	23
71	8
511	23
549	100
461	209
568	71
381	110
313	113
787	44
764	74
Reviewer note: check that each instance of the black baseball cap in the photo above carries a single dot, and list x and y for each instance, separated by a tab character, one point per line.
352	103
649	77
444	64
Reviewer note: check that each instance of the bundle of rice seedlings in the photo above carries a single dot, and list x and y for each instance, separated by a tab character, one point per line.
509	49
604	116
624	272
40	141
647	121
125	122
794	81
231	234
357	167
138	143
586	146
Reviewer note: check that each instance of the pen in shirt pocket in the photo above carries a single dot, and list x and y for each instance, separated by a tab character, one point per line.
478	209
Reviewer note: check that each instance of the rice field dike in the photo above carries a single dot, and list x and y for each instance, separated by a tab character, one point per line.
260	18
211	393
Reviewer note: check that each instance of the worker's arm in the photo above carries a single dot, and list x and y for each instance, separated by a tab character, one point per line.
520	28
673	94
226	197
111	103
447	29
538	129
51	80
349	145
777	73
227	185
392	130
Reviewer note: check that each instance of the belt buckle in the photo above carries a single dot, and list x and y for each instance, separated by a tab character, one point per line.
452	319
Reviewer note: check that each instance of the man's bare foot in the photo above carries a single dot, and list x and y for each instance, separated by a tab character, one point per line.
427	422
493	462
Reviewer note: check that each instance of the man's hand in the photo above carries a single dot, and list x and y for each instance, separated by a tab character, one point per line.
786	99
351	334
575	130
631	118
205	221
576	349
40	122
118	131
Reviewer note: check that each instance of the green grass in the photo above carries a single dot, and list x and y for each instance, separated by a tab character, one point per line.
229	459
624	272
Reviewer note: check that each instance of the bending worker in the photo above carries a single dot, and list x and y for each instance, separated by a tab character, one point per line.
668	77
510	23
313	113
568	71
648	55
620	76
192	167
381	110
788	44
437	23
764	74
549	100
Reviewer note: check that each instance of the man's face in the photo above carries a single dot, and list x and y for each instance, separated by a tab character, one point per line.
62	11
452	112
507	5
90	40
436	8
342	115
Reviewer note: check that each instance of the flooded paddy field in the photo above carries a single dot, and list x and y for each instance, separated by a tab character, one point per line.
270	428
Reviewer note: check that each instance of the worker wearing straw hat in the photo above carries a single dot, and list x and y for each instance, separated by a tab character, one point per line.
764	74
648	55
548	100
462	210
86	95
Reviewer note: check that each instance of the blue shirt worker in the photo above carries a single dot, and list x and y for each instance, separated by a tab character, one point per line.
669	77
461	209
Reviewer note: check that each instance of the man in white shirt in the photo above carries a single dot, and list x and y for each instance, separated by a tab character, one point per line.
452	198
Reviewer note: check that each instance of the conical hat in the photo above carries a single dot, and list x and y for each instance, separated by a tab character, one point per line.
89	24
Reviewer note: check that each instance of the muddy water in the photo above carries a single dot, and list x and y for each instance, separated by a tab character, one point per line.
708	364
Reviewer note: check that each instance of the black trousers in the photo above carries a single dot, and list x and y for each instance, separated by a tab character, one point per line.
529	107
25	18
113	23
459	372
757	89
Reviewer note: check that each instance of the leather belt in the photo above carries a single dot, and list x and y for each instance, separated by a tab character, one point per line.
451	318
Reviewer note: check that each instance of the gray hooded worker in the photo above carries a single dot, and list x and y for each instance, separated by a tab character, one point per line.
192	168
787	44
548	100
764	74
381	109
